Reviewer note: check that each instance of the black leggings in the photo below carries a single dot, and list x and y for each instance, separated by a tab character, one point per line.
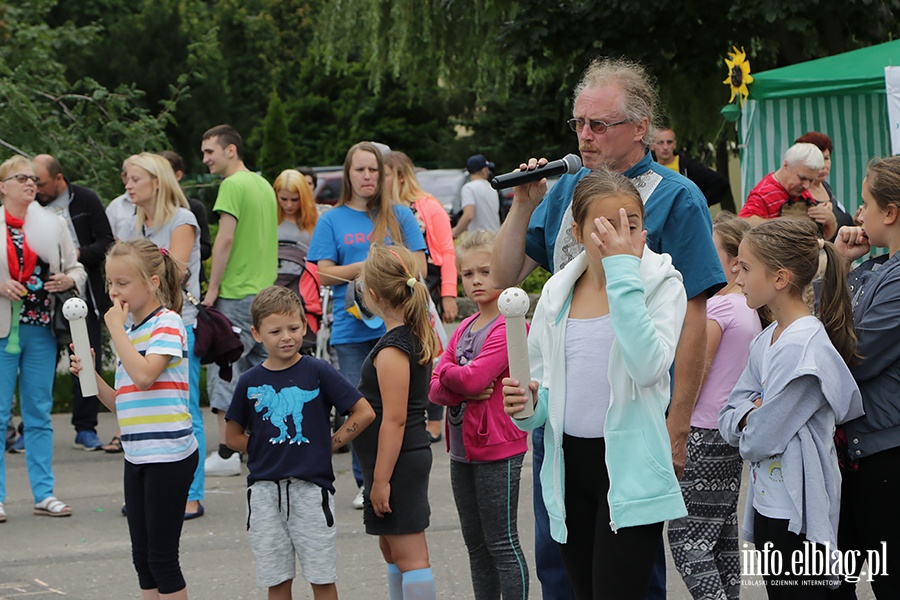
778	585
155	494
601	563
869	500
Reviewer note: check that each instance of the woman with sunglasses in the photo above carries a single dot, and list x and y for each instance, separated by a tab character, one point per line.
39	262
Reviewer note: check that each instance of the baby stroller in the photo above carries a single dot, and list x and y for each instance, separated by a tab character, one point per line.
302	278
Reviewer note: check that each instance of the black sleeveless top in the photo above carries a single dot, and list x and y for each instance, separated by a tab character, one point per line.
415	436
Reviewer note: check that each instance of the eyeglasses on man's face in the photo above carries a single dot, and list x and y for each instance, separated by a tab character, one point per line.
598	127
23	178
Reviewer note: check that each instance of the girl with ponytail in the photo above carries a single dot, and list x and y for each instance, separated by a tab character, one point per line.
796	387
395	452
151	402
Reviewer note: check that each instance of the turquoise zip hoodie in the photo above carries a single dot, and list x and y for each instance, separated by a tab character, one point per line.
647	303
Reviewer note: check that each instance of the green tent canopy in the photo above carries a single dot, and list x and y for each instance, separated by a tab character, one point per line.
842	96
855	72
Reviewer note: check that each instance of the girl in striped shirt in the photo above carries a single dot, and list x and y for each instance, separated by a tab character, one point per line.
151	402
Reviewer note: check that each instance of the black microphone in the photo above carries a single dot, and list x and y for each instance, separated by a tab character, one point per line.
570	163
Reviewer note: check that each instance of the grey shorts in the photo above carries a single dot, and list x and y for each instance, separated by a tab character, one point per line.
291	517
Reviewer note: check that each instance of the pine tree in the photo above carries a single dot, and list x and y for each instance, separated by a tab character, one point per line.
277	151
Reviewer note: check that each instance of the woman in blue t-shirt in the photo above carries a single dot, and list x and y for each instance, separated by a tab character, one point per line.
340	244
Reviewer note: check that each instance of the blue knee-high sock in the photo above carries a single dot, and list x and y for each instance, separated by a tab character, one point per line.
395	582
419	585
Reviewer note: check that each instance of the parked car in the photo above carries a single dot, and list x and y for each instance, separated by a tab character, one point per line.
328	186
445	185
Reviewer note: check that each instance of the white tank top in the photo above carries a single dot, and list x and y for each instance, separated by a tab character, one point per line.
588	342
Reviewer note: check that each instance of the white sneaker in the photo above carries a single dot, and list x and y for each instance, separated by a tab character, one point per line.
216	466
358	501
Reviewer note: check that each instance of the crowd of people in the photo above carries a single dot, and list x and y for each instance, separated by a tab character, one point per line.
667	348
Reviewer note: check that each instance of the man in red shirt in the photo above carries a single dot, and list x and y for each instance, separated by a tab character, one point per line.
791	182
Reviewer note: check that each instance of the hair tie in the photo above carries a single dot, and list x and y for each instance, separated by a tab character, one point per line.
411	282
163	251
821	243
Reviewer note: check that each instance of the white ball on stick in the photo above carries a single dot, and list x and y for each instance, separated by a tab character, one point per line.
514	304
75	310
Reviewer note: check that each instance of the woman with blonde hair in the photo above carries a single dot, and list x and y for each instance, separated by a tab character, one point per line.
163	216
40	262
297	214
400	179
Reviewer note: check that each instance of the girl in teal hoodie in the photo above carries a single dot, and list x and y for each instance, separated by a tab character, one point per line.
601	346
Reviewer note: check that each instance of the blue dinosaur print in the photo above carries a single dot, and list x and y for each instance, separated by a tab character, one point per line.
281	405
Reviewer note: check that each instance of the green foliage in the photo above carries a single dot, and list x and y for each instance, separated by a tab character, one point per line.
331	112
276	151
535	281
528	52
161	47
428	45
95	80
87	125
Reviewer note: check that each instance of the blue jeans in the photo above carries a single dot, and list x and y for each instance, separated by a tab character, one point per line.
35	367
197	485
548	561
350	360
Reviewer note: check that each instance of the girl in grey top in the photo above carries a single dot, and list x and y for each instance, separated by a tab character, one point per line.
162	215
297	213
796	387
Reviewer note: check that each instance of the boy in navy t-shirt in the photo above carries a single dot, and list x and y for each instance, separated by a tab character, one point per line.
286	404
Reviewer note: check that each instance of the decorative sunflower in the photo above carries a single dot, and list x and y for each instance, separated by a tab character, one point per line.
738	74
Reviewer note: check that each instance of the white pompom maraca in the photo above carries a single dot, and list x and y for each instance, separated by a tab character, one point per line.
514	304
75	310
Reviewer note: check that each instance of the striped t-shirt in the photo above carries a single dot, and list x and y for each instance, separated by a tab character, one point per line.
156	422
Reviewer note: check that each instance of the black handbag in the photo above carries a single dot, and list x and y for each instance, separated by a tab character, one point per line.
216	340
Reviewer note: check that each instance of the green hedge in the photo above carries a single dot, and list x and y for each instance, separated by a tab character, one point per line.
62	391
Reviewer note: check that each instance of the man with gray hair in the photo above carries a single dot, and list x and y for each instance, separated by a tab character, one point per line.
613	114
785	193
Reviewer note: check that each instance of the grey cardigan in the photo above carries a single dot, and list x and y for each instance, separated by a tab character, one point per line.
875	289
49	237
807	389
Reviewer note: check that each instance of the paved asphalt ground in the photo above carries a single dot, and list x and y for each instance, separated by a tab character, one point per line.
87	556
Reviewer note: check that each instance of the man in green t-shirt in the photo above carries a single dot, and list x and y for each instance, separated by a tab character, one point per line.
244	261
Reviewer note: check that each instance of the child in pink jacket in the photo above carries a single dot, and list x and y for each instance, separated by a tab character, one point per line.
486	448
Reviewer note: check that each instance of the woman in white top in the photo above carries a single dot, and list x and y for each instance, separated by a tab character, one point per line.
162	215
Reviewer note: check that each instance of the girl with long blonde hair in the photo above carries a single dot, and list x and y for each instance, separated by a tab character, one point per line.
394	451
